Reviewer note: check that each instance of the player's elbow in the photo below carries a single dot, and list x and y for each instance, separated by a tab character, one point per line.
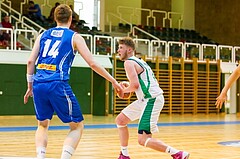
93	65
135	86
30	62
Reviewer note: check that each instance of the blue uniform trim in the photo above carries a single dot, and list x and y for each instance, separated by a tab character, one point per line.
109	126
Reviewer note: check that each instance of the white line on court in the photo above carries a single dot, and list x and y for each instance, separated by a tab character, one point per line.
19	158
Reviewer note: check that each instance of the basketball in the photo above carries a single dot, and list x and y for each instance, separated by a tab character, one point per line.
125	84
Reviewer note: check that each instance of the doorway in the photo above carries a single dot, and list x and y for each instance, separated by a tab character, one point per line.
89	11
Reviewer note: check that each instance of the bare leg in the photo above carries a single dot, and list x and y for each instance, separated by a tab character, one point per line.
122	121
147	141
41	138
123	136
72	139
152	143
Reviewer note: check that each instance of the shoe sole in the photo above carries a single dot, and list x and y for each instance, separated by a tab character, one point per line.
187	156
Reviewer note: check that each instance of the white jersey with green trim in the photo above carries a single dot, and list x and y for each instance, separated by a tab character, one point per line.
149	87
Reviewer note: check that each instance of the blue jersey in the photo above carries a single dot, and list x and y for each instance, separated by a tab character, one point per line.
56	55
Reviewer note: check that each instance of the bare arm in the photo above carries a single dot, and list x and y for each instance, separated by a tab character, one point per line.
82	48
223	95
33	56
132	73
32	10
31	67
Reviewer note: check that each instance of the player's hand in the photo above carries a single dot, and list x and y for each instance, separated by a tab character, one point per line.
220	100
120	94
27	95
118	87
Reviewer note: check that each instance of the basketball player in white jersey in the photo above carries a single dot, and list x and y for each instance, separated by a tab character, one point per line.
146	108
55	50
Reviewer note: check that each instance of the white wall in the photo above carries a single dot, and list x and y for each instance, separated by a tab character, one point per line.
187	8
21	57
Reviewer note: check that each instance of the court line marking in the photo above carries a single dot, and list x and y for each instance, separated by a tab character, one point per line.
19	158
235	143
109	126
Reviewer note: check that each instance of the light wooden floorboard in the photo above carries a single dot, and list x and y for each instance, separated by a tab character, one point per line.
199	139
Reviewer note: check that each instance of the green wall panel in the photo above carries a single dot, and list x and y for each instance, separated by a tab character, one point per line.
13	86
99	94
80	81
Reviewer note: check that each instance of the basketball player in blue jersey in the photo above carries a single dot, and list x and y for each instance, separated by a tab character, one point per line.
55	51
146	108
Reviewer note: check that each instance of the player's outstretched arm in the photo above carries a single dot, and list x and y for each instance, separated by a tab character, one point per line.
223	95
82	48
220	100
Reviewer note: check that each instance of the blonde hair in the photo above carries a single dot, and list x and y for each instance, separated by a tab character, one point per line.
62	13
128	41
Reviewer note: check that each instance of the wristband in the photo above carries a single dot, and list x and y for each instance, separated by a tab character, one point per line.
29	78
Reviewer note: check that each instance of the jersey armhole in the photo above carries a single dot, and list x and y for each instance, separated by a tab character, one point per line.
139	65
74	51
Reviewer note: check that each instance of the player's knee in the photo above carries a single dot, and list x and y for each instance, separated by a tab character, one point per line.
44	124
80	125
144	141
141	141
120	120
75	126
121	124
144	137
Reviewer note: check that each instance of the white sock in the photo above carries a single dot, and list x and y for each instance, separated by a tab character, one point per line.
41	152
124	150
171	150
67	152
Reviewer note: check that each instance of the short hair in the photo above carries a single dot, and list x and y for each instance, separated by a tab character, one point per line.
30	2
128	41
57	4
62	13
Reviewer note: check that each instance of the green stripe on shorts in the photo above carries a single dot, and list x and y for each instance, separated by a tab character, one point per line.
144	123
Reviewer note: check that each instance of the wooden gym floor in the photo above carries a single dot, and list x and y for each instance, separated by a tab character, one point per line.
204	136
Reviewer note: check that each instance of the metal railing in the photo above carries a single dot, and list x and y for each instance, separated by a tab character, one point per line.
11	11
89	41
34	26
102	44
107	45
143	45
143	10
31	35
159	48
209	51
142	31
24	22
21	6
225	53
109	21
192	50
131	13
180	20
125	9
163	20
236	53
175	49
10	32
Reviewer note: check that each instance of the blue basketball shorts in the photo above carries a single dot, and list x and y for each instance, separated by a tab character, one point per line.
56	96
